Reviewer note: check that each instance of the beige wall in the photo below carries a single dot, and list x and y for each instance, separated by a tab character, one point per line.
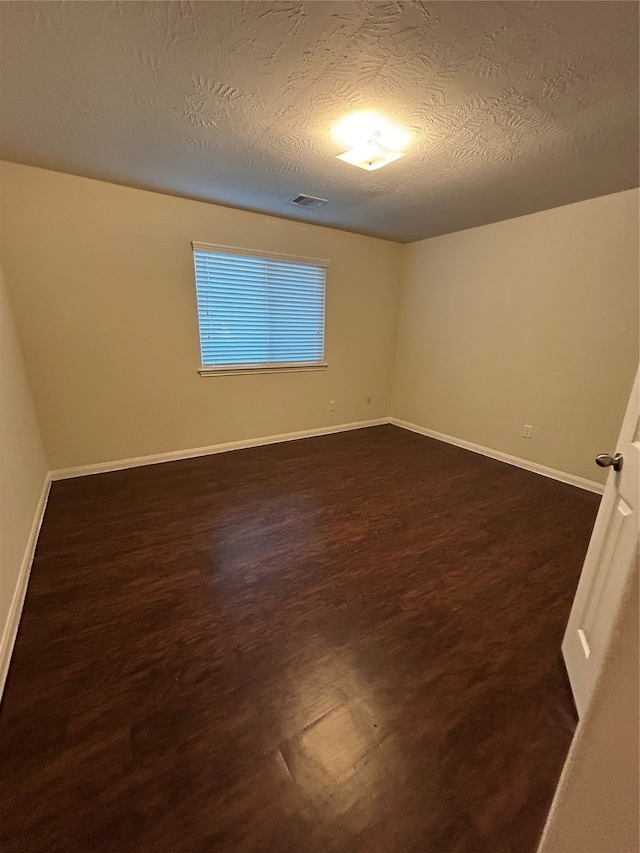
596	805
23	471
101	277
533	320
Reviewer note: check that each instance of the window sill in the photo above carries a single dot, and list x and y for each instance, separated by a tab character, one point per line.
269	368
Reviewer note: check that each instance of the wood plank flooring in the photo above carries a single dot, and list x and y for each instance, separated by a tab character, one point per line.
345	644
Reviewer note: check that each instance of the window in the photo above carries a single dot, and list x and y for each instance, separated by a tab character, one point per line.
259	312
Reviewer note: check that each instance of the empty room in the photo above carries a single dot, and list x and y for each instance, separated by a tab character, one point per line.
319	427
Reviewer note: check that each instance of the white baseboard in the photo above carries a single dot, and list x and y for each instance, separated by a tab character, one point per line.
10	630
571	479
137	461
191	453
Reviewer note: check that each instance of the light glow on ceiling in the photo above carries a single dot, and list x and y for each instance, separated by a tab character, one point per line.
373	140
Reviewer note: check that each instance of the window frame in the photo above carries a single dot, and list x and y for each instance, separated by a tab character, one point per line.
260	367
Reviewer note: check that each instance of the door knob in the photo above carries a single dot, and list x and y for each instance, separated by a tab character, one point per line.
605	460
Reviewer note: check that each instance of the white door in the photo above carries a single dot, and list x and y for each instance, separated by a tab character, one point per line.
611	559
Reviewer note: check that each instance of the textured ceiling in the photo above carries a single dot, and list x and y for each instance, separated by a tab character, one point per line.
515	107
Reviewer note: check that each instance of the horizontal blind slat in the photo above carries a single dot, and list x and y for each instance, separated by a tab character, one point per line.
254	310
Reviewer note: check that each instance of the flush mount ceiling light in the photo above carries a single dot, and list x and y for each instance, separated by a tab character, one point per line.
370	155
374	140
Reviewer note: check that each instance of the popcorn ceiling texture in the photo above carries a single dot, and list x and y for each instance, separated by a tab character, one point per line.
515	107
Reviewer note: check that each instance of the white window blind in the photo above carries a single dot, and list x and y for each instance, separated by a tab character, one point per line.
258	311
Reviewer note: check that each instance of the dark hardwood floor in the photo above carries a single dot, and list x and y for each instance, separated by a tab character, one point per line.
347	643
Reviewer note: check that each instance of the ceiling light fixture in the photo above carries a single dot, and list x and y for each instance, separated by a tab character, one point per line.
374	140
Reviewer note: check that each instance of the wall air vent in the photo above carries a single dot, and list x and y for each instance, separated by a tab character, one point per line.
308	201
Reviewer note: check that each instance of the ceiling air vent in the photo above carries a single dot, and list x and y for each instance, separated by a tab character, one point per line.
308	201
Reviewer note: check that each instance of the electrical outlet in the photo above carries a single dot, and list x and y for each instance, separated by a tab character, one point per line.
332	405
368	401
528	429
